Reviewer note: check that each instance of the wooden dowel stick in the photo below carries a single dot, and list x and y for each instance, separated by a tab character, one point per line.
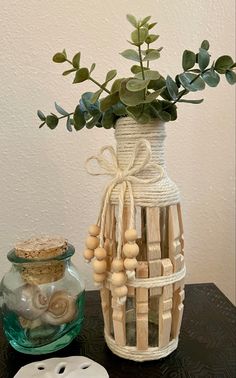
142	309
165	306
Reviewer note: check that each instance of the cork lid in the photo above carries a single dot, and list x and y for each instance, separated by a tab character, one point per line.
41	247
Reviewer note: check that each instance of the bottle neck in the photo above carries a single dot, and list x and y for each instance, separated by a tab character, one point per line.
128	132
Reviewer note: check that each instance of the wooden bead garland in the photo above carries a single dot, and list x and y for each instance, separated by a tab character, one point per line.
92	242
130	250
118	280
95	250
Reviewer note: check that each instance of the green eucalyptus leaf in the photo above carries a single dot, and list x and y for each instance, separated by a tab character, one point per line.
92	68
96	96
87	106
136	69
205	45
81	75
152	96
130	98
65	73
203	59
170	108
135	85
233	65
130	54
132	20
149	75
60	109
108	101
172	87
59	58
223	63
76	60
145	20
151	38
52	121
93	121
230	77
108	119
119	109
150	26
78	117
139	113
188	60
157	84
152	55
211	78
191	82
116	85
41	115
192	101
164	116
178	83
110	75
138	36
68	124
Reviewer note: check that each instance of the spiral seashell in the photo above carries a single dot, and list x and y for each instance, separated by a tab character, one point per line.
61	309
28	302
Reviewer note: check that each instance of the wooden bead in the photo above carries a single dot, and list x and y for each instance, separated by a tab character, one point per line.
99	277
118	279
94	230
131	250
131	235
100	253
99	266
92	242
88	254
121	291
130	264
117	265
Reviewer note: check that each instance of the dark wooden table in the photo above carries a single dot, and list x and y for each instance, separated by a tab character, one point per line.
207	346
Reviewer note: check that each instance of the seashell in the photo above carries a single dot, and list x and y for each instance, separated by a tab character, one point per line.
61	309
29	324
28	302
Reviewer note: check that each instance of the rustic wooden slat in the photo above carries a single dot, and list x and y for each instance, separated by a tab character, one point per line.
153	246
105	301
181	228
178	308
165	306
118	317
175	247
142	309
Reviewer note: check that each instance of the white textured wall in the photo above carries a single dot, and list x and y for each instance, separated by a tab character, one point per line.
44	187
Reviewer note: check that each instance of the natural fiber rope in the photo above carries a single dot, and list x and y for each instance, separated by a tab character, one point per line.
132	353
161	193
152	282
124	177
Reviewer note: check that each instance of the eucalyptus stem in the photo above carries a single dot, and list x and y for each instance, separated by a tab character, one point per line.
185	91
148	60
141	62
69	61
66	115
99	85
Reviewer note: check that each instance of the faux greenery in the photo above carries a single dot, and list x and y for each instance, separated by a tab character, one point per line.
145	94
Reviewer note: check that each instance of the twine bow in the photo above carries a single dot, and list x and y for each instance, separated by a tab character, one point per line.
125	178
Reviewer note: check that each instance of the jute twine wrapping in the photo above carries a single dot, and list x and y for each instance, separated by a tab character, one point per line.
41	250
163	192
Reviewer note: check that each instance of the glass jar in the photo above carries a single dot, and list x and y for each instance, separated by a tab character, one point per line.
42	302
